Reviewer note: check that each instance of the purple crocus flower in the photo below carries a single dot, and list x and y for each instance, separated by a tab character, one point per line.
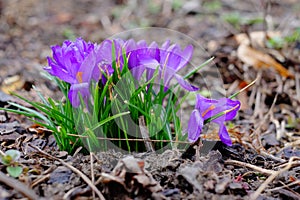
105	57
75	63
169	59
173	59
206	108
139	54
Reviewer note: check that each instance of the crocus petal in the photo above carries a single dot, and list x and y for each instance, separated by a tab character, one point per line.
186	55
195	126
68	58
165	45
87	67
153	51
230	107
186	85
231	104
203	103
56	70
148	62
104	52
166	74
96	73
142	44
130	45
58	55
171	60
75	90
137	72
224	136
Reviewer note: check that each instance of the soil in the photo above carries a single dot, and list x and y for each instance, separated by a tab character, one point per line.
264	161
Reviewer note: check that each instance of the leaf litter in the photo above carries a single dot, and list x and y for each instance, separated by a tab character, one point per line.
263	163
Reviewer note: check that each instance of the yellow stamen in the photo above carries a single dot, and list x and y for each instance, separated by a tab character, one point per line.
79	77
208	109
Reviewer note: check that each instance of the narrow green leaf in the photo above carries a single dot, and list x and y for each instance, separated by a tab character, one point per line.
188	75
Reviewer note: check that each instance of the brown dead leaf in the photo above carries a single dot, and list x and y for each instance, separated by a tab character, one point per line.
12	84
260	60
130	174
39	130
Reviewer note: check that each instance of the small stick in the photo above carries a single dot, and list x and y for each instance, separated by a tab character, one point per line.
145	134
263	121
256	168
266	154
39	180
284	186
17	185
272	177
2	153
92	172
82	175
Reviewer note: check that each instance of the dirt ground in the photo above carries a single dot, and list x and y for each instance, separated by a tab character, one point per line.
263	163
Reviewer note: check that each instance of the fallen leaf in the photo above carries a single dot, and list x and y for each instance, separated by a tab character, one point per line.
130	174
259	60
39	130
12	84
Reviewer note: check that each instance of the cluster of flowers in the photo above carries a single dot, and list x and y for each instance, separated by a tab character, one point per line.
80	62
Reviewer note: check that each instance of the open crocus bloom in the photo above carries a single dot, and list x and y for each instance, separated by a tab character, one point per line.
168	59
75	63
206	108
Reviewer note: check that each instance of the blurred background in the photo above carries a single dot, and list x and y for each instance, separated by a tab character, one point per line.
29	27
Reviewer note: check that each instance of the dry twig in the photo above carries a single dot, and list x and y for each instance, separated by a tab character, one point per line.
284	186
256	168
92	172
256	132
39	180
17	185
272	177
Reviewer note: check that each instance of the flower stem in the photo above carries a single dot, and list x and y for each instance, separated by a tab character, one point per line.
243	89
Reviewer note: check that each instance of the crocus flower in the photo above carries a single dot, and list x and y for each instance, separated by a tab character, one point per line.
172	60
139	54
105	57
169	59
76	64
206	108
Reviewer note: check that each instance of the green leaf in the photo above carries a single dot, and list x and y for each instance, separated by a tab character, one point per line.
10	156
14	171
188	75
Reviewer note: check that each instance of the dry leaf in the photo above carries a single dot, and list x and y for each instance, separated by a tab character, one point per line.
12	84
259	59
130	174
